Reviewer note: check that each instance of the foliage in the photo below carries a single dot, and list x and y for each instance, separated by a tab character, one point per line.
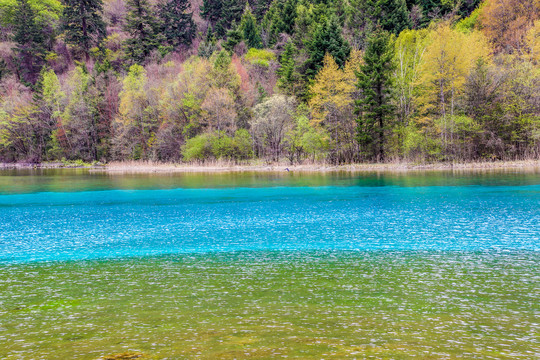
375	107
218	145
177	23
448	60
273	119
143	28
506	22
250	30
83	25
30	42
326	39
47	11
260	57
336	81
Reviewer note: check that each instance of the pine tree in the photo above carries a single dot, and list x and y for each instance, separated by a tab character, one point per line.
232	12
30	43
375	81
211	10
289	77
222	14
327	38
208	46
260	8
249	30
234	37
280	19
143	28
393	15
82	24
177	22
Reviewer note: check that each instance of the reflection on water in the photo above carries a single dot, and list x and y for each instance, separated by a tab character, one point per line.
434	265
42	180
332	305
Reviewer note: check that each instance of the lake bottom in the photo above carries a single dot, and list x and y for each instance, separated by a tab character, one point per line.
268	304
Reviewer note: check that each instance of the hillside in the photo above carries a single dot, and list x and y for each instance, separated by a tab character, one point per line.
336	81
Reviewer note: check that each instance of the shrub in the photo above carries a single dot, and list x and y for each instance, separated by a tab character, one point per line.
260	57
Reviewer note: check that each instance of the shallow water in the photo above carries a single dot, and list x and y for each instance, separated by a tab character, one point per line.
425	265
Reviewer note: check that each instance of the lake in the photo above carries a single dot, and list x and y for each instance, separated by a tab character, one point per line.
430	265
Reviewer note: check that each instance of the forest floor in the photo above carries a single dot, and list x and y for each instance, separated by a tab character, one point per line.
260	166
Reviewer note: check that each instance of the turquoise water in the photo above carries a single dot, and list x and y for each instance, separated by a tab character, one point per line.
43	226
387	266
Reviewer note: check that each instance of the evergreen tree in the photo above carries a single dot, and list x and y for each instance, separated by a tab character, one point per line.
249	30
280	19
232	12
143	28
327	38
260	8
375	81
208	46
223	14
393	15
234	37
177	22
82	24
211	10
30	43
289	77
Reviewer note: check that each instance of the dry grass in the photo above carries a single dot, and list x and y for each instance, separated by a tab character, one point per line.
222	166
260	166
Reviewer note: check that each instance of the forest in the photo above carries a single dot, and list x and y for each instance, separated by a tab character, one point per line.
330	81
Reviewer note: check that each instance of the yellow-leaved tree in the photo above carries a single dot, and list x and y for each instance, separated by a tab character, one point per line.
447	62
332	104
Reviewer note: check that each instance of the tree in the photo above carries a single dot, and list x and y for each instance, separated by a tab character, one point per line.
393	15
448	60
208	46
136	121
83	25
30	43
375	108
483	92
326	39
363	17
410	48
223	73
219	110
19	135
506	22
306	138
331	104
289	78
143	28
79	120
177	23
230	13
49	100
273	119
249	29
279	19
211	10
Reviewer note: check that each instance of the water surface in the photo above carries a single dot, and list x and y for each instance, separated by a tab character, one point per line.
424	265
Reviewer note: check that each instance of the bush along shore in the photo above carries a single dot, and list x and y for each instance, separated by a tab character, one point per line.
298	81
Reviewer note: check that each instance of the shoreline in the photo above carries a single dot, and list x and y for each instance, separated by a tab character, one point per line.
223	167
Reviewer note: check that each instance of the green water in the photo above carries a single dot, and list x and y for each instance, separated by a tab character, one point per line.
240	266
